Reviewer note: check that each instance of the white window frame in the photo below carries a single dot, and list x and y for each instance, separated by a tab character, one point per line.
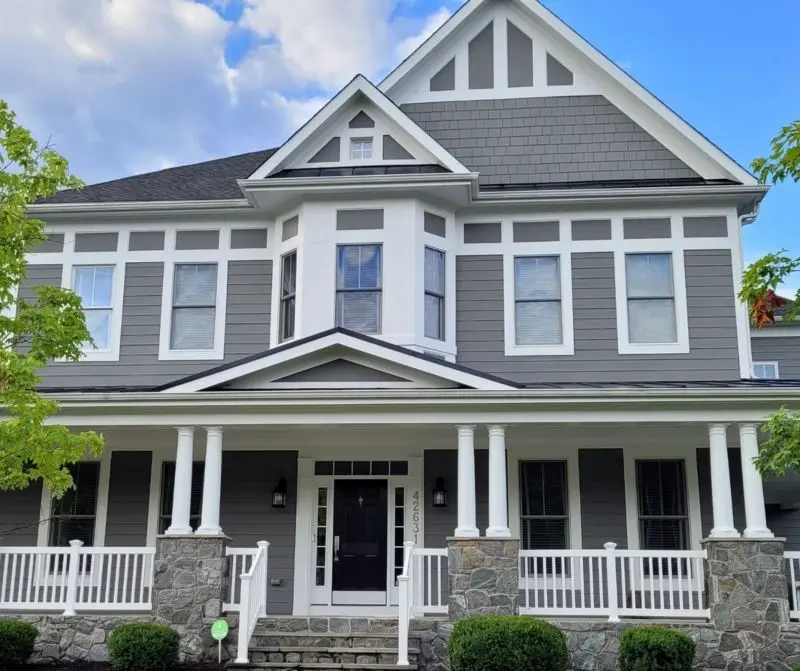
361	143
567	345
681	344
380	290
766	363
443	330
283	299
111	353
217	353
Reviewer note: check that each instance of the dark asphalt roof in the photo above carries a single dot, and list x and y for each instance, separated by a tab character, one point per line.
350	171
610	184
210	180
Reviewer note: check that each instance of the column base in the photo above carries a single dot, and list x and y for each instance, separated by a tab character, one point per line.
758	533
724	533
466	532
498	532
179	531
212	531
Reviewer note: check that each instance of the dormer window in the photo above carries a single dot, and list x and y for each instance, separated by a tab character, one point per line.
360	148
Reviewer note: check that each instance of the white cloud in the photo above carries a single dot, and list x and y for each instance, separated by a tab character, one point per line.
296	112
434	22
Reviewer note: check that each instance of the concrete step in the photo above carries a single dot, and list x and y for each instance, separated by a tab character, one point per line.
294	654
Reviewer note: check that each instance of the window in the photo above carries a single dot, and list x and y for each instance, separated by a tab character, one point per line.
434	293
95	286
73	515
194	307
661	493
360	148
651	299
358	288
537	301
167	489
288	295
544	510
765	371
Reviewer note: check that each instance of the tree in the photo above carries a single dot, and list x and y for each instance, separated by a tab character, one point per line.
780	451
33	331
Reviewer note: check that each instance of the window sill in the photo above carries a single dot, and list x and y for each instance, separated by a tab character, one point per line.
99	356
565	349
191	355
654	348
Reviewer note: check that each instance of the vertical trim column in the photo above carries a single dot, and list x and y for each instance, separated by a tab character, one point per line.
722	502
755	512
182	491
498	484
212	483
467	527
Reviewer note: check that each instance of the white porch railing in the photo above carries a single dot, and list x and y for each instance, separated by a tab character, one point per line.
431	582
76	578
241	560
253	602
613	583
406	583
793	566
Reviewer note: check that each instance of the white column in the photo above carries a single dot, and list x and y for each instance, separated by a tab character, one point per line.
754	510
498	484
212	483
467	527
721	483
182	491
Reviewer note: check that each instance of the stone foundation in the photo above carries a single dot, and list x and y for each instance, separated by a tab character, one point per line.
483	576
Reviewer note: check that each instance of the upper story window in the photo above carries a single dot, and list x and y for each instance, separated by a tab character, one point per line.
651	299
95	286
360	148
537	301
288	295
765	371
74	514
434	294
663	513
358	288
194	307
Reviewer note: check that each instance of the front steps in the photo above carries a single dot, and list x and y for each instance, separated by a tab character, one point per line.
327	643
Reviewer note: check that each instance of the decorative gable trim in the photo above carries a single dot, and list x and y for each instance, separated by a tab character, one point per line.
303	138
337	344
679	137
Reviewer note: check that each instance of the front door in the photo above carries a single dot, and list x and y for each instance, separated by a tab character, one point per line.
359	541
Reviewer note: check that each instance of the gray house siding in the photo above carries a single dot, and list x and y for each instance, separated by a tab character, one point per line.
128	499
712	325
20	516
247	326
786	351
603	517
547	140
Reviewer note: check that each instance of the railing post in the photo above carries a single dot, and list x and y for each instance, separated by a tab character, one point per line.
244	621
73	569
611	581
264	545
402	625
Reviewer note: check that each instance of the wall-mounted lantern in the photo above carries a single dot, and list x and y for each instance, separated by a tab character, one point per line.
279	494
439	494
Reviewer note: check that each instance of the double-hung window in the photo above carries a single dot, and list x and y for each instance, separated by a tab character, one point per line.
168	489
194	307
434	294
662	508
544	511
358	288
360	148
288	295
537	301
74	514
651	299
95	287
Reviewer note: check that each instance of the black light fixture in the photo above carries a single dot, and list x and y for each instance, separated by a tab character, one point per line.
279	494
439	494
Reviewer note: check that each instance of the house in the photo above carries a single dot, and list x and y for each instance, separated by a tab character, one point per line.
492	296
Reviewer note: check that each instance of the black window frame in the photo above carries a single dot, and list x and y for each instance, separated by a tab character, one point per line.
168	487
552	565
86	479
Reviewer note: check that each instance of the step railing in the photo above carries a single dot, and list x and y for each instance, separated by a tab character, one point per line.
76	579
253	603
241	560
793	575
613	583
406	593
431	582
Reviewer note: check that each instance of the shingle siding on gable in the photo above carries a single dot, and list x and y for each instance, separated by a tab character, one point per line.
547	140
712	325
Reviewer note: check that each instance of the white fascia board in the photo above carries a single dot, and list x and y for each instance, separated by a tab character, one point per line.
359	84
135	207
776	331
606	66
270	360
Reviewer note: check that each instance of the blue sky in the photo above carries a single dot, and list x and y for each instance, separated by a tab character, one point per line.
126	86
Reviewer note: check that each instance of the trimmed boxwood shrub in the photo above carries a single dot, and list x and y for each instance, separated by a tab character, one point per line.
143	646
655	649
504	642
16	642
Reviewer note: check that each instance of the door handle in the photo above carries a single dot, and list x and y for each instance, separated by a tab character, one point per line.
335	548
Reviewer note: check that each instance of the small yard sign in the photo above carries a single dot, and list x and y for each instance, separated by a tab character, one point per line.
219	631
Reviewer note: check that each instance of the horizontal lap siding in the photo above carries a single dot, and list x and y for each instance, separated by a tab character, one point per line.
20	516
712	325
786	351
247	515
128	499
246	331
602	485
704	484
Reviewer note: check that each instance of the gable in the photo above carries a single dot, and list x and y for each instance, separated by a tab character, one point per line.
495	51
341	370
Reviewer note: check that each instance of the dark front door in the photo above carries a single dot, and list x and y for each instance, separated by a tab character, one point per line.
359	535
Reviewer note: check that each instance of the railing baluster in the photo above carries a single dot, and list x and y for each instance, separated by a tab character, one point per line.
669	585
793	587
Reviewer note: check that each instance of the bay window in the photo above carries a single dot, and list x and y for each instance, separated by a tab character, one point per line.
288	295
434	294
358	288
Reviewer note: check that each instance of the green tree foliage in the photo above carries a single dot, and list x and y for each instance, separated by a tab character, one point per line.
784	160
34	332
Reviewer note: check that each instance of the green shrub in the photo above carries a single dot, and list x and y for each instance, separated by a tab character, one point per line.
16	642
142	646
655	649
503	642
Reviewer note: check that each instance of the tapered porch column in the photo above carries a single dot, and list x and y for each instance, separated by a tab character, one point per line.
498	484
182	491
467	527
722	502
754	509
212	483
